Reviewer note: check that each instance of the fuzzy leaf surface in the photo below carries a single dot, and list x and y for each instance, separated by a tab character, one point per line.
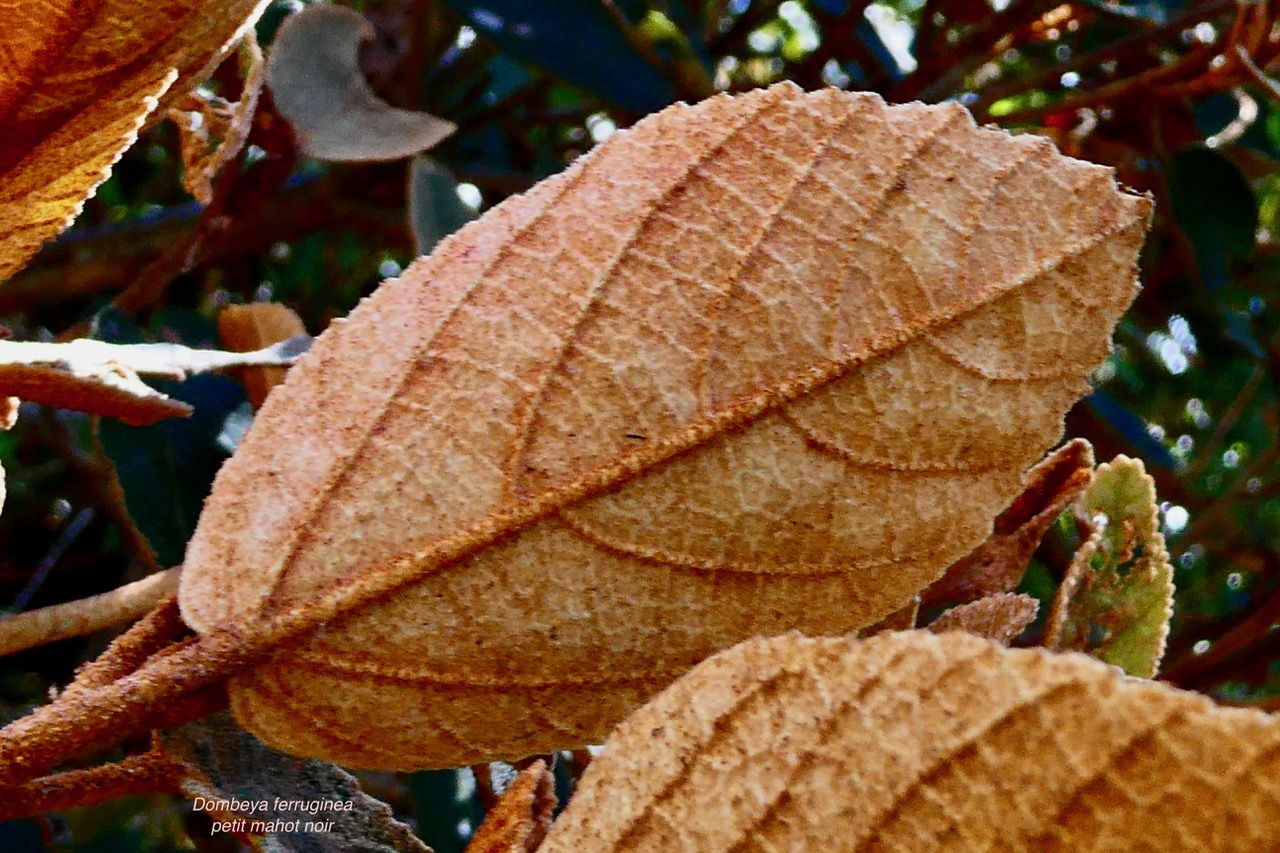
1000	617
767	362
998	564
1117	597
920	741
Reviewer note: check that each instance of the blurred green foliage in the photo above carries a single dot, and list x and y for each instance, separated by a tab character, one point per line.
1157	90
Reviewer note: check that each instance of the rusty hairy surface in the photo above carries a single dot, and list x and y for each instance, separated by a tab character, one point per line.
916	741
764	363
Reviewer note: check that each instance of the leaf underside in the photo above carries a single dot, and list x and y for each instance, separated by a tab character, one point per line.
763	363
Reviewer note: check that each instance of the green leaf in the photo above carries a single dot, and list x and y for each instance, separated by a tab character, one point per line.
578	41
435	211
1215	207
1117	597
166	469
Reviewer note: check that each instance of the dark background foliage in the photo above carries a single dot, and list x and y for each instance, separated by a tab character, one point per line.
1174	95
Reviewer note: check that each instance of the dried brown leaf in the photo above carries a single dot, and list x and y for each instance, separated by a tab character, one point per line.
103	379
903	619
317	84
519	822
916	741
999	617
998	564
767	362
113	393
80	76
9	407
214	130
244	328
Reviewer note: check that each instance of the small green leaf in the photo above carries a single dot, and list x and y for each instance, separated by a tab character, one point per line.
1117	598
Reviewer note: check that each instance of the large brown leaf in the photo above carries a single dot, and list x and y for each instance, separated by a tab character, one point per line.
763	363
77	79
913	741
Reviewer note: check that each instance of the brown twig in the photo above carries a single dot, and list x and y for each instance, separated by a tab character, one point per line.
1256	74
119	253
96	717
1227	421
130	650
197	706
485	793
98	476
72	531
1211	516
581	761
1246	652
110	394
235	190
103	378
154	279
1129	48
152	772
1136	85
1226	72
77	618
714	11
840	33
1192	670
730	41
929	78
927	33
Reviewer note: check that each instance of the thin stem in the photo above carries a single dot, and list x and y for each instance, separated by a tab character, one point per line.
485	793
1135	45
1225	424
162	626
1134	86
152	772
1271	87
77	618
928	32
46	565
81	720
930	78
1193	671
